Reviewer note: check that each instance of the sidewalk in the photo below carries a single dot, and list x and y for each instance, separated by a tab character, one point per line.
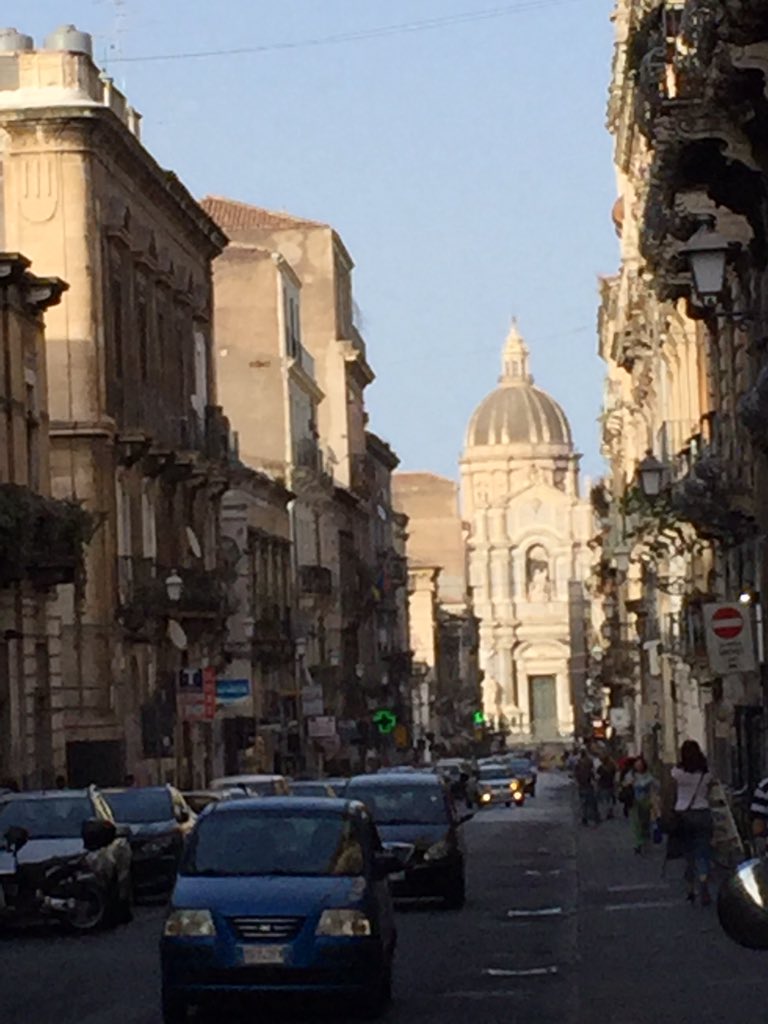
646	956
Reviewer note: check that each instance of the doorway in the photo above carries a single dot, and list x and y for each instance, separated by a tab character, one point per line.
543	698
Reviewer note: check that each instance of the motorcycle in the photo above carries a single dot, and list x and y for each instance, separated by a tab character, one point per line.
64	890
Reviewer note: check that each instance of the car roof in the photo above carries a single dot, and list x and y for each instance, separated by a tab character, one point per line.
397	779
233	780
289	804
136	789
46	794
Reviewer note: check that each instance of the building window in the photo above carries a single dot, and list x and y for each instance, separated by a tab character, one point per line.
148	526
116	304
142	328
33	440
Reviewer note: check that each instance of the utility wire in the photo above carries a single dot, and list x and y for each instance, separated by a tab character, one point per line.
426	25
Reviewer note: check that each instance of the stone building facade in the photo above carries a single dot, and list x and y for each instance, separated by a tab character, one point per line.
446	685
143	448
685	369
529	531
41	539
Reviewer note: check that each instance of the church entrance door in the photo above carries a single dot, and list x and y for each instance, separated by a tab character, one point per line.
543	696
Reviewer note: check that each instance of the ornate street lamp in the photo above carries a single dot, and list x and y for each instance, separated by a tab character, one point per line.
174	587
651	474
707	252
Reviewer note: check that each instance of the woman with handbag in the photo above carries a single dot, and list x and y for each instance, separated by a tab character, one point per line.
692	822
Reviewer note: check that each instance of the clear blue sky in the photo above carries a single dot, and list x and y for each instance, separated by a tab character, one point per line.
467	169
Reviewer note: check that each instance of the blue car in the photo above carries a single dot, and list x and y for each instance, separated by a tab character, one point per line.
281	896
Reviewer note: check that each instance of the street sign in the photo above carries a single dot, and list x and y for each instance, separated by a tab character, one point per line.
729	638
385	721
230	691
321	727
209	692
312	704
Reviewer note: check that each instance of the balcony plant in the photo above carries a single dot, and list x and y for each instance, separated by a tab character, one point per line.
41	539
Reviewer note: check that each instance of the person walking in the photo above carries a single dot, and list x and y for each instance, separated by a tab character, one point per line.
626	792
643	796
694	824
606	786
584	773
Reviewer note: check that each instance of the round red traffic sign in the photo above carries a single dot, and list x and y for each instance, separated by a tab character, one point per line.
727	623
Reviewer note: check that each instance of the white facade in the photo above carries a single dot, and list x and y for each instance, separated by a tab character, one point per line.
528	542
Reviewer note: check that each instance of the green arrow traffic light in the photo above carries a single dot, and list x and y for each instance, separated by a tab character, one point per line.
385	721
479	718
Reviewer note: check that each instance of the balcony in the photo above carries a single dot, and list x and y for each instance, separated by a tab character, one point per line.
41	539
145	604
361	476
315	581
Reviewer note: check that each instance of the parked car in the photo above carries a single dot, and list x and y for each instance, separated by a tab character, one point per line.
199	799
254	785
280	896
417	821
313	787
497	784
157	820
61	856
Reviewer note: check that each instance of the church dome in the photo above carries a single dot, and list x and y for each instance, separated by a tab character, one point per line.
517	412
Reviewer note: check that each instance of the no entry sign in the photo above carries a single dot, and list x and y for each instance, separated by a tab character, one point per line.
729	638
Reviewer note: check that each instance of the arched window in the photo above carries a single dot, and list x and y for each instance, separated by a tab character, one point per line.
537	574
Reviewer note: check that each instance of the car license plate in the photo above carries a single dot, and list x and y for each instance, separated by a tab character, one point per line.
262	955
399	876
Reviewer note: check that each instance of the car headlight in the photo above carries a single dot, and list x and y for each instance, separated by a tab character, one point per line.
438	851
189	924
343	923
514	784
485	797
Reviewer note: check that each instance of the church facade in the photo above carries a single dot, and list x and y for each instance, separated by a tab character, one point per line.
528	550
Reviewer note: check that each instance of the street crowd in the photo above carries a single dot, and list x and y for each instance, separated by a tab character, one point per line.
673	810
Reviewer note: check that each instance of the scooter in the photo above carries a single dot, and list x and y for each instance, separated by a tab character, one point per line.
64	890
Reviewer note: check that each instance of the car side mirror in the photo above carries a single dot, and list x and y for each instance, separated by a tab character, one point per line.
97	833
385	864
742	905
16	837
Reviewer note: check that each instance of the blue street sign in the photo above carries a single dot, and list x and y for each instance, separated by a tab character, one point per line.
228	691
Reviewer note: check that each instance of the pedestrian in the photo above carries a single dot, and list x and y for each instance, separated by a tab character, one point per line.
644	789
626	791
606	786
693	816
584	773
758	811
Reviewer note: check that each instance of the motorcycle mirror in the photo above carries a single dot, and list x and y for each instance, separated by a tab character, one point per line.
742	905
16	837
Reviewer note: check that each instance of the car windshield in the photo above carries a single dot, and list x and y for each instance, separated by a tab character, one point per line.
258	842
268	788
494	771
520	767
57	818
141	806
401	804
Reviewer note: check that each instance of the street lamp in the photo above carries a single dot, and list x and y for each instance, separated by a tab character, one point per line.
707	252
174	587
651	473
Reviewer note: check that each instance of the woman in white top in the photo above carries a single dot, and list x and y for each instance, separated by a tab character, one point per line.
692	782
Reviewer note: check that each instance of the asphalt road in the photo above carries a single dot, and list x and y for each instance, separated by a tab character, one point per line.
562	924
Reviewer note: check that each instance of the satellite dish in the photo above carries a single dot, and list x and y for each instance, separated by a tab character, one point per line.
176	635
194	543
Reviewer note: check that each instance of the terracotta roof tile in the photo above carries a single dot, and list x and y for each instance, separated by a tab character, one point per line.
228	213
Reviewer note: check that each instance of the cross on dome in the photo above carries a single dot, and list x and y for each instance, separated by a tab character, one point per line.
514	360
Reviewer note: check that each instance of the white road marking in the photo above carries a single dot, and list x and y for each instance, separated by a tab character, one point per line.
530	972
537	874
636	888
541	912
650	905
